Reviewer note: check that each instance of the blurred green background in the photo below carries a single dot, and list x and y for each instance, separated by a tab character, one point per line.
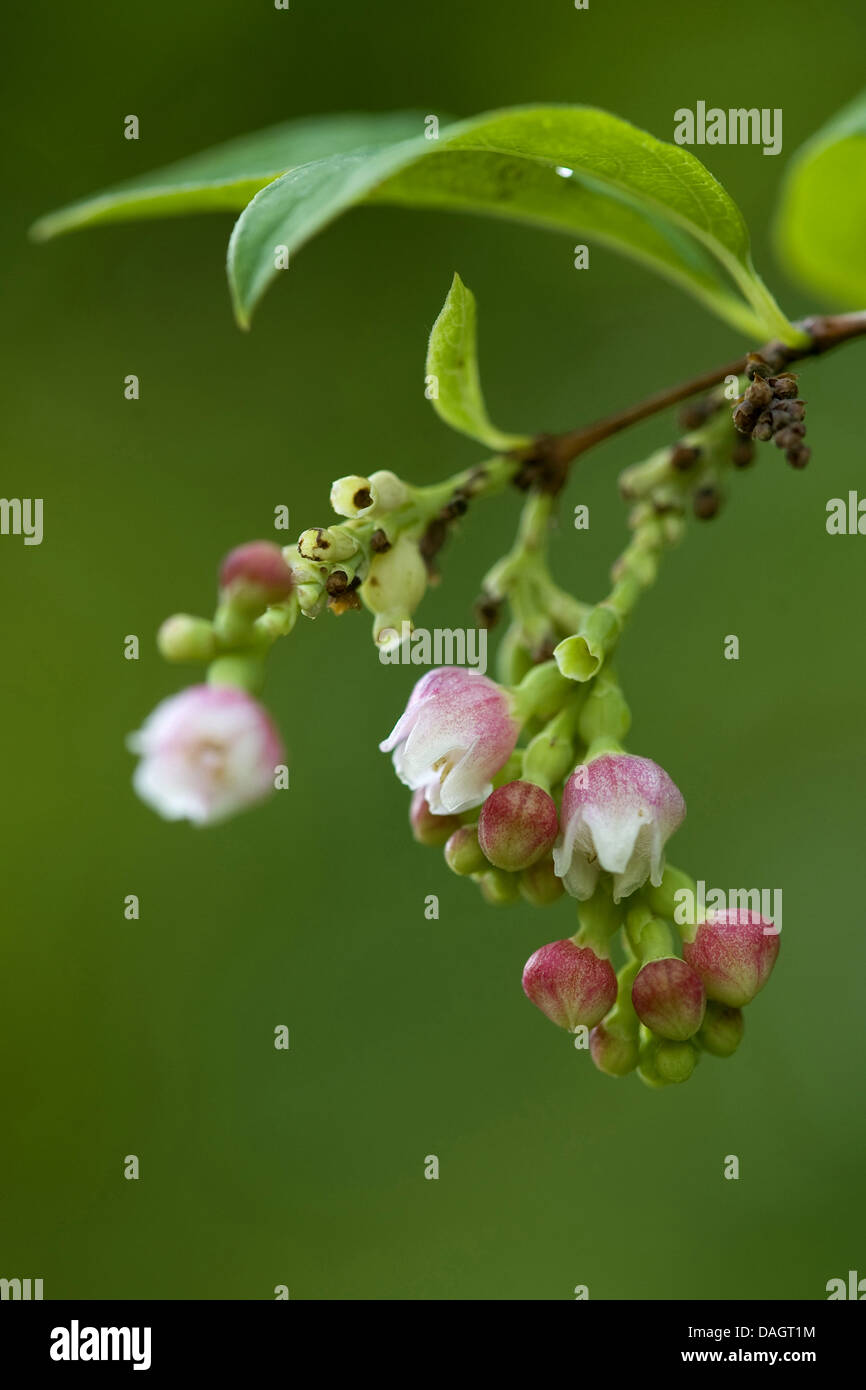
407	1037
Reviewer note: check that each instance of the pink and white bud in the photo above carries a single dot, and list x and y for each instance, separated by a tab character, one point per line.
618	812
570	983
255	575
457	731
517	825
669	998
733	953
206	753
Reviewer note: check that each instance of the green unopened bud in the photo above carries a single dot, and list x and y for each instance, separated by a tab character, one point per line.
664	900
648	537
643	565
665	1063
722	1029
674	1061
311	599
427	828
643	478
243	672
513	659
233	625
463	853
541	692
613	1052
650	937
581	657
639	514
646	1068
500	888
278	620
549	757
327	543
667	501
184	638
351	496
512	769
396	580
599	919
605	713
499	578
539	884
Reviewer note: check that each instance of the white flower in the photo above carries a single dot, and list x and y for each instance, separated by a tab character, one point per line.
618	812
457	731
206	753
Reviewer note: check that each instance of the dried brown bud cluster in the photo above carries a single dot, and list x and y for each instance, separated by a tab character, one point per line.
770	409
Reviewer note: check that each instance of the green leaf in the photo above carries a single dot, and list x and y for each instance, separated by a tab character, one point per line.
225	177
452	359
821	225
574	169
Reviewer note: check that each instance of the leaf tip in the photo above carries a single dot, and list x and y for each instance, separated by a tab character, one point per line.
41	230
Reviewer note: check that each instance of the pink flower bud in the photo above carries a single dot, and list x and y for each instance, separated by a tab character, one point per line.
427	828
256	575
206	753
517	825
616	1054
669	998
617	814
455	734
570	983
734	954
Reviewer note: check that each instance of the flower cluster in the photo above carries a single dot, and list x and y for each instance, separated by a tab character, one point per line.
568	811
524	784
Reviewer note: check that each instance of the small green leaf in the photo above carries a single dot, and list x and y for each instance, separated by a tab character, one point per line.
574	169
452	362
227	176
821	225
